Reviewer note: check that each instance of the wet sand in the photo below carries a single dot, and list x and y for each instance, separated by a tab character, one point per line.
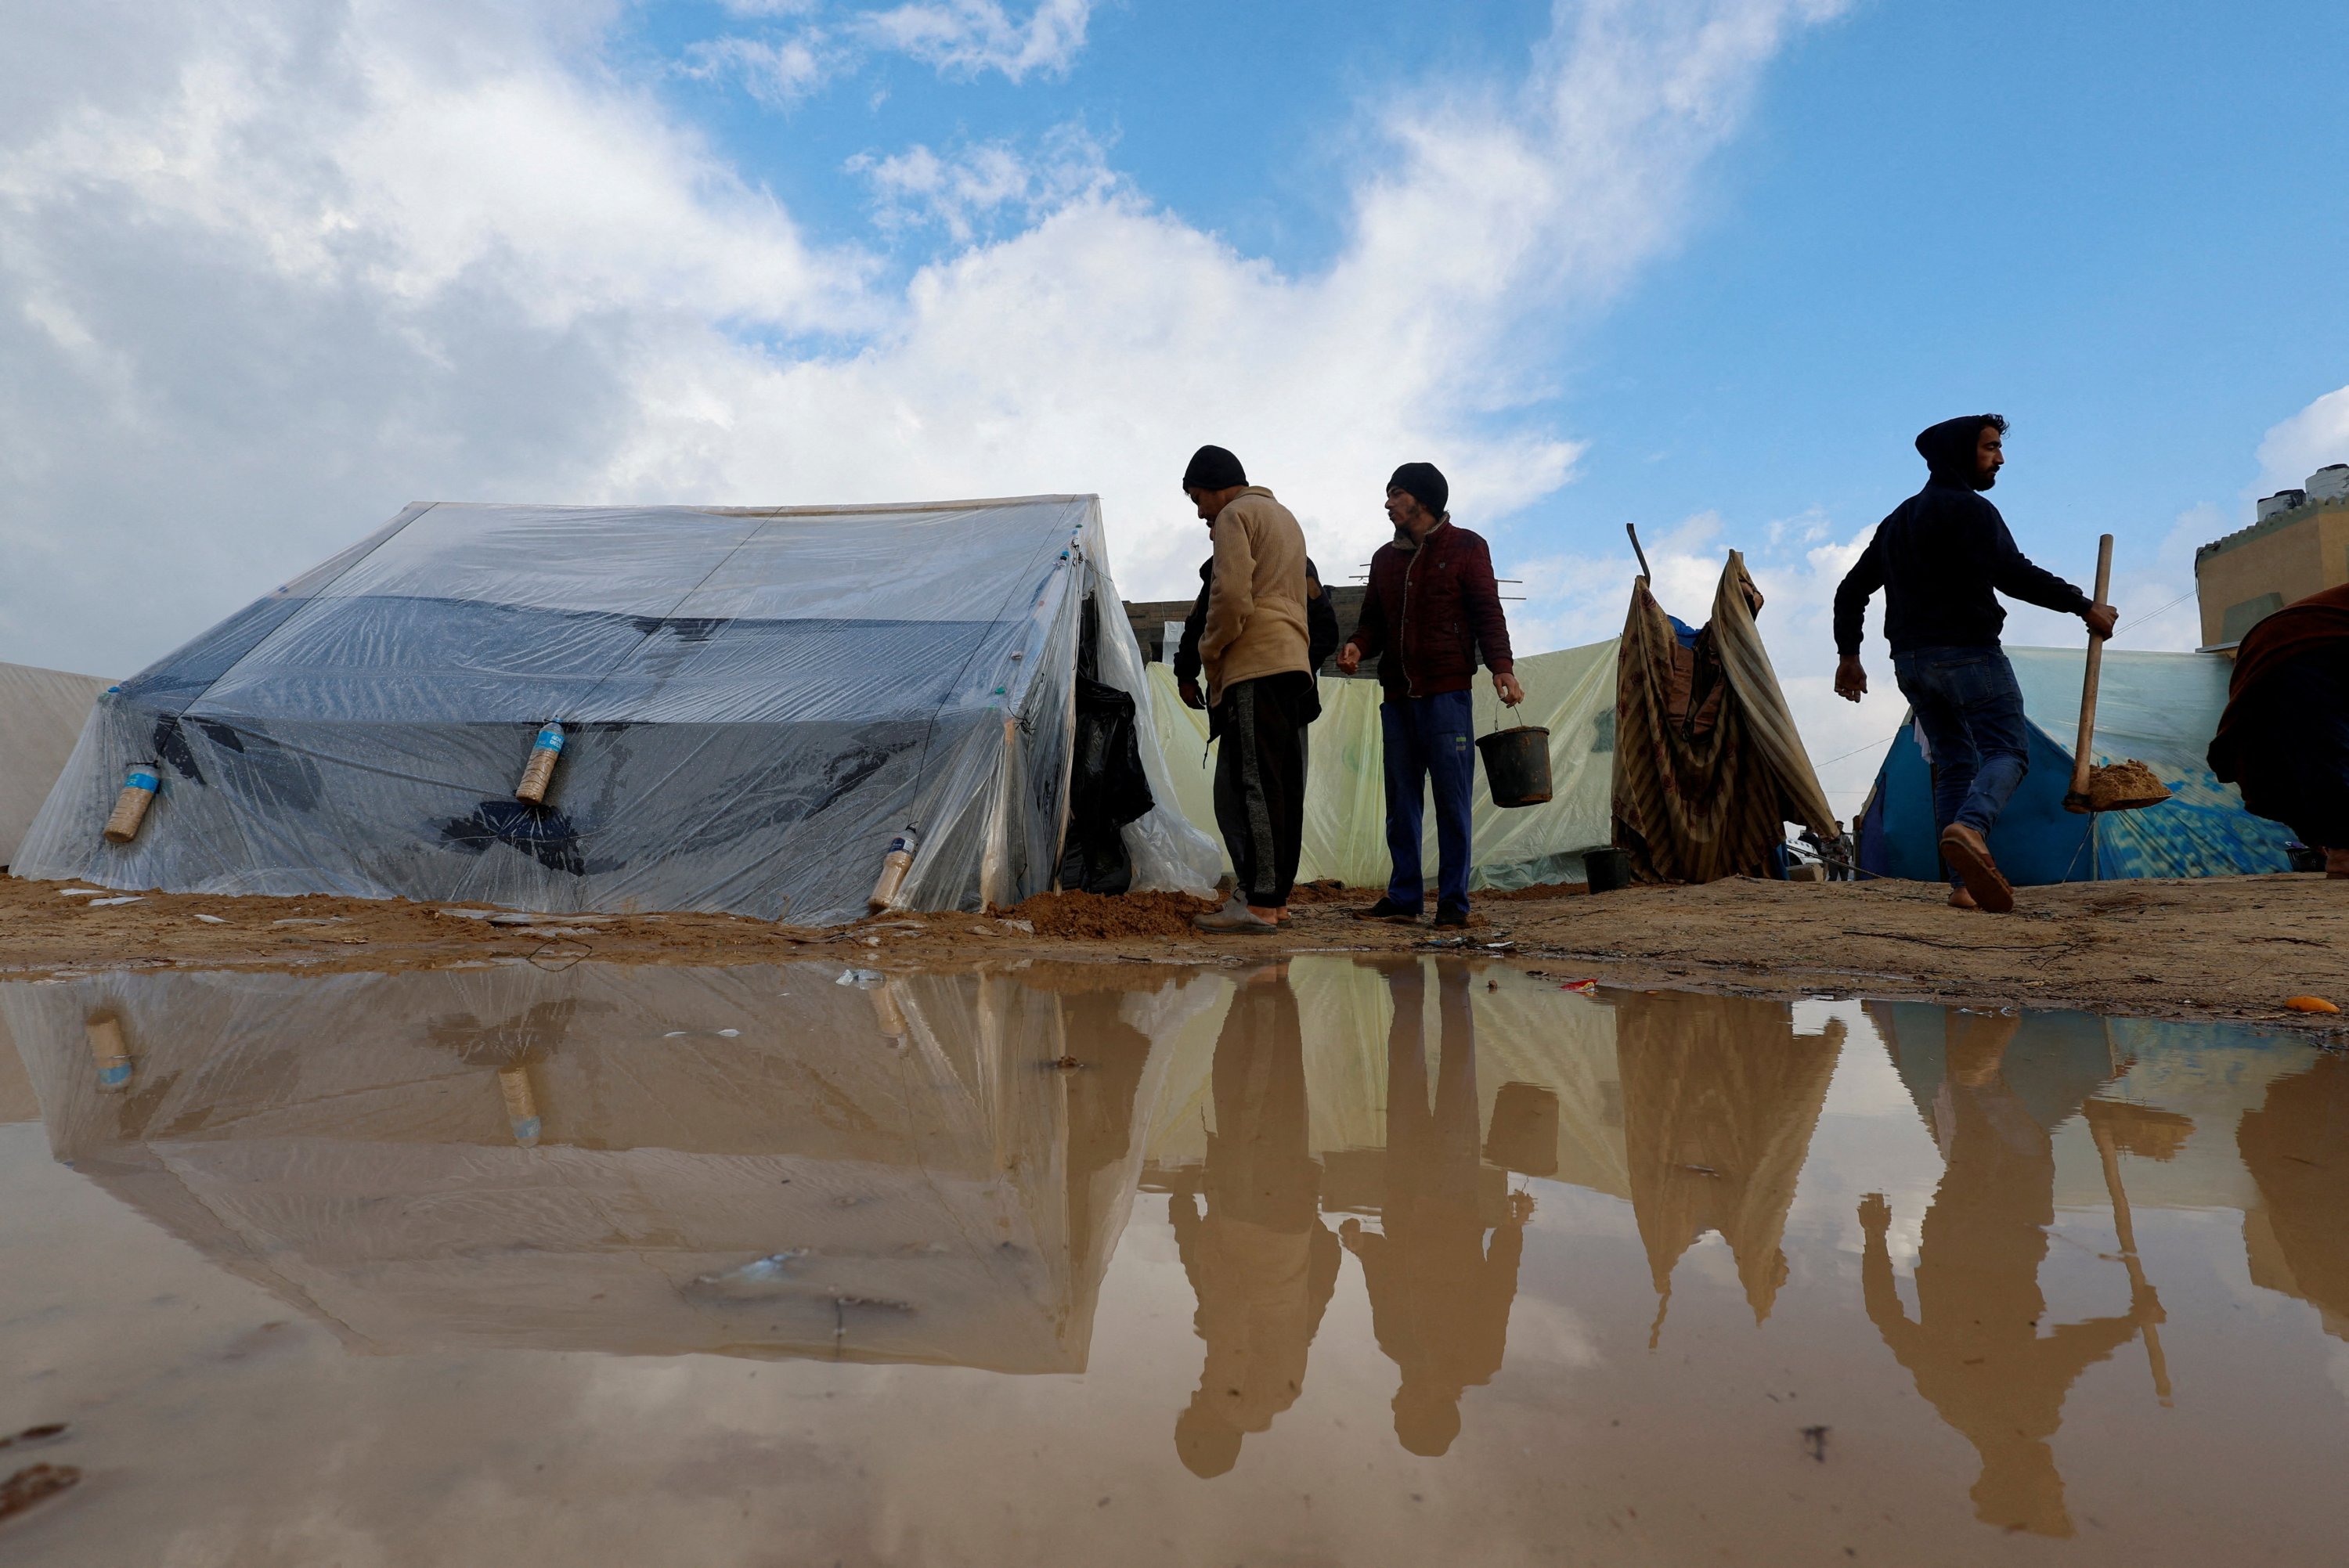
1339	1259
2222	947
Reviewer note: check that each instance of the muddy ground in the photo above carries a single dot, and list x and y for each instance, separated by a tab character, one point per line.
2223	947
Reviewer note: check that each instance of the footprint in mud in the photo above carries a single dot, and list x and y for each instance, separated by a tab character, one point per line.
35	1484
39	1434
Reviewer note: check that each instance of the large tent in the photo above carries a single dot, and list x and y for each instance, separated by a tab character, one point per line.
1571	693
41	712
756	702
2159	708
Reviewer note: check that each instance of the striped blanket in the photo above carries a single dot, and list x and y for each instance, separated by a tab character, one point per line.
1708	765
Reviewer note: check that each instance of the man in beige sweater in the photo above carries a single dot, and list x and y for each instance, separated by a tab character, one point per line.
1260	689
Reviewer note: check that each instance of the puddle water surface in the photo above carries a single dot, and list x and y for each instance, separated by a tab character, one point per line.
1329	1261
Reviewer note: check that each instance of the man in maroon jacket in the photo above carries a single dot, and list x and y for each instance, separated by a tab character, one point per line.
1431	613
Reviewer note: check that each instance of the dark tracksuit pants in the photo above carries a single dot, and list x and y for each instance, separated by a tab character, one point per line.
1260	782
1430	740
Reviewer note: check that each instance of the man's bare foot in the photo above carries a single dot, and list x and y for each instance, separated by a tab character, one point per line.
1960	899
2336	862
1969	858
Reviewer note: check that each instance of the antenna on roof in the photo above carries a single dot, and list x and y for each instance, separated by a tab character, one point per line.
1633	530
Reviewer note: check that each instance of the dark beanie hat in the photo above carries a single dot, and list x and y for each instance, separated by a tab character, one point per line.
1212	468
1425	483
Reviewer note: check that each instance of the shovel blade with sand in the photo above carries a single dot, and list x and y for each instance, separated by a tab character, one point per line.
2117	785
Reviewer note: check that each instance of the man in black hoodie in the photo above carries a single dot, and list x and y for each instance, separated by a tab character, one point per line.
1941	558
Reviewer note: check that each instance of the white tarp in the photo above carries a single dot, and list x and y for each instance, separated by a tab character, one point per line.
756	702
1571	693
41	712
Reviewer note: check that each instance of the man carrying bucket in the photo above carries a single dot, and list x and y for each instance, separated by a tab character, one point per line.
1432	613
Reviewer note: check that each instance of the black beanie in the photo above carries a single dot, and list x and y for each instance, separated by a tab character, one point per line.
1212	468
1423	482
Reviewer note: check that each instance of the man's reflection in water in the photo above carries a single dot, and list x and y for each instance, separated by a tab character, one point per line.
1975	1349
1439	1301
1261	1263
2294	1148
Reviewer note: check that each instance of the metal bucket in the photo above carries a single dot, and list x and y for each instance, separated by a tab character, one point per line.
1607	870
1517	765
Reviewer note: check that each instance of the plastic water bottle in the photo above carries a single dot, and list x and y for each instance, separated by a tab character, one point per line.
138	787
893	867
539	771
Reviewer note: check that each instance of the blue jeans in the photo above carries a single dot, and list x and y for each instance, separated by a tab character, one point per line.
1428	739
1969	712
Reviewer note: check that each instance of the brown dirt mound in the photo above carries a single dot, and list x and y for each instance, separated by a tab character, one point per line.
2119	786
1088	915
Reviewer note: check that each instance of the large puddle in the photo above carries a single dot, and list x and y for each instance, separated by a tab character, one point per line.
1327	1262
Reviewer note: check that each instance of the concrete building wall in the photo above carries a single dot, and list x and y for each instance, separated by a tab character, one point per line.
2245	576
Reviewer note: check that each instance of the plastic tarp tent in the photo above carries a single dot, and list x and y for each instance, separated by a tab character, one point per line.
1571	693
41	712
756	702
2160	708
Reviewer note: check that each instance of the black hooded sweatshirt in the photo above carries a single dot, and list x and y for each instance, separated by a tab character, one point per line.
1943	557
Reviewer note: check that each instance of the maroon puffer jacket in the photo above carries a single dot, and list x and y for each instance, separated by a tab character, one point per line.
1430	613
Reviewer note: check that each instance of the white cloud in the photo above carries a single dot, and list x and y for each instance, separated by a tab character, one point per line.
969	36
289	269
778	72
963	190
2316	436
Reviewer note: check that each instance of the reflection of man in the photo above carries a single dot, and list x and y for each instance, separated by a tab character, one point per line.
1439	1301
1261	1263
2290	1147
1974	1348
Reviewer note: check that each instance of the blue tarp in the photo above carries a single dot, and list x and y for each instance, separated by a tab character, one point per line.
2158	708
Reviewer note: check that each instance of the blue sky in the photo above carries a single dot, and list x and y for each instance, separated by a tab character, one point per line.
1702	265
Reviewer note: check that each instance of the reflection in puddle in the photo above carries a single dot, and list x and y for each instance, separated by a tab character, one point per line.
1626	1271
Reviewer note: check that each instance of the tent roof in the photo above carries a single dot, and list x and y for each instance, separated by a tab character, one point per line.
756	702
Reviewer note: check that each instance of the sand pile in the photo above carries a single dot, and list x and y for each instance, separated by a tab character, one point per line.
2119	786
1084	915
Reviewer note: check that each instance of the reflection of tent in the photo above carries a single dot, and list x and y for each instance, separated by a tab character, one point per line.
41	711
893	1176
2161	708
1709	766
1571	694
1720	1099
756	702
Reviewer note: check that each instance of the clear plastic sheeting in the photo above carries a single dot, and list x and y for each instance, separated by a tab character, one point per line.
755	703
1571	693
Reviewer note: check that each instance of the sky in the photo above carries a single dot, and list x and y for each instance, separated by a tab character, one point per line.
271	270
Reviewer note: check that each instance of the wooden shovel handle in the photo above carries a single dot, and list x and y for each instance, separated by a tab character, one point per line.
2088	679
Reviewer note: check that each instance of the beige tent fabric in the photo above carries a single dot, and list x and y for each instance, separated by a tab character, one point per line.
1571	693
41	715
1708	764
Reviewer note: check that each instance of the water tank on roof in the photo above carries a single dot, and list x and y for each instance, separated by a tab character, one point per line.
2280	502
2330	482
